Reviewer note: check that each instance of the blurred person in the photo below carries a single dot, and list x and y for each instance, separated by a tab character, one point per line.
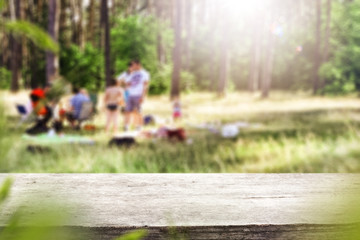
41	111
137	86
59	117
76	103
122	78
177	114
84	92
113	99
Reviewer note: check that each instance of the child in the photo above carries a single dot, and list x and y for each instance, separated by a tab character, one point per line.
177	110
113	100
42	112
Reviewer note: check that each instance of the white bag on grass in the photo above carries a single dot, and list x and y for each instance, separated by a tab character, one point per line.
230	131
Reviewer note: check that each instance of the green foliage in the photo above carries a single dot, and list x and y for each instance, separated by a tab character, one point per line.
342	72
5	78
83	68
336	83
33	33
3	4
204	64
59	88
136	235
135	37
188	83
161	80
5	189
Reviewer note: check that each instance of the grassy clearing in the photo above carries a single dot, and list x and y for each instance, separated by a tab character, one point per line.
297	133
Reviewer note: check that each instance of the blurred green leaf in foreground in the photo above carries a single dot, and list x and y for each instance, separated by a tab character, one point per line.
41	221
33	33
135	235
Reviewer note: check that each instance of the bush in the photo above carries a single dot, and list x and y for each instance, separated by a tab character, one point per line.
188	83
336	83
135	37
342	72
83	68
160	80
5	78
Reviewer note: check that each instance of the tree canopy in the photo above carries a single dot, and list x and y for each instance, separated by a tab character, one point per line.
205	45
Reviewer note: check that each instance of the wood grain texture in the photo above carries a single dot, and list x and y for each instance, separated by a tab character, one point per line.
211	206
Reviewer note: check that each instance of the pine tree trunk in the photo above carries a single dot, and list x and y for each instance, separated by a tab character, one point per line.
171	14
328	30
105	23
64	28
134	6
80	24
175	84
16	58
7	51
317	50
76	21
223	73
24	47
91	25
327	37
224	58
4	51
188	26
268	62
268	67
254	73
40	7
160	47
52	61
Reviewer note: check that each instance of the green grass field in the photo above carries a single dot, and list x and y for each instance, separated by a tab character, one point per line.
294	134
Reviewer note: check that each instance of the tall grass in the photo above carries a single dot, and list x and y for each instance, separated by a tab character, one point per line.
298	136
303	153
4	137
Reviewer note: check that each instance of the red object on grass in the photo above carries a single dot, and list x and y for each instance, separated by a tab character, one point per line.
38	92
178	134
62	112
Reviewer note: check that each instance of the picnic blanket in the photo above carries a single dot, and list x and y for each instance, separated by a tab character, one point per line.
46	139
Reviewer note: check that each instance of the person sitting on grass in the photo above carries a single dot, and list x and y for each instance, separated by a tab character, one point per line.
137	85
41	111
113	100
76	103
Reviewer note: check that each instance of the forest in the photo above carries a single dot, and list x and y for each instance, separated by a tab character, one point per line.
179	87
187	46
253	86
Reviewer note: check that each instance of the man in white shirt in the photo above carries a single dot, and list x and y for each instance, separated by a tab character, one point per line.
125	75
137	86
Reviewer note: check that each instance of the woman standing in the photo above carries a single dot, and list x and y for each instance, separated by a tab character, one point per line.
114	98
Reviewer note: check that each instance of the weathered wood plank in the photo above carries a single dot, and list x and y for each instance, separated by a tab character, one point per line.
212	206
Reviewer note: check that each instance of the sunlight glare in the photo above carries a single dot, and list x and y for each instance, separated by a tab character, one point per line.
243	6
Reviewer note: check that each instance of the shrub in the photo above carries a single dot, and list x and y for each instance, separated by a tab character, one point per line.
83	68
5	78
136	37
